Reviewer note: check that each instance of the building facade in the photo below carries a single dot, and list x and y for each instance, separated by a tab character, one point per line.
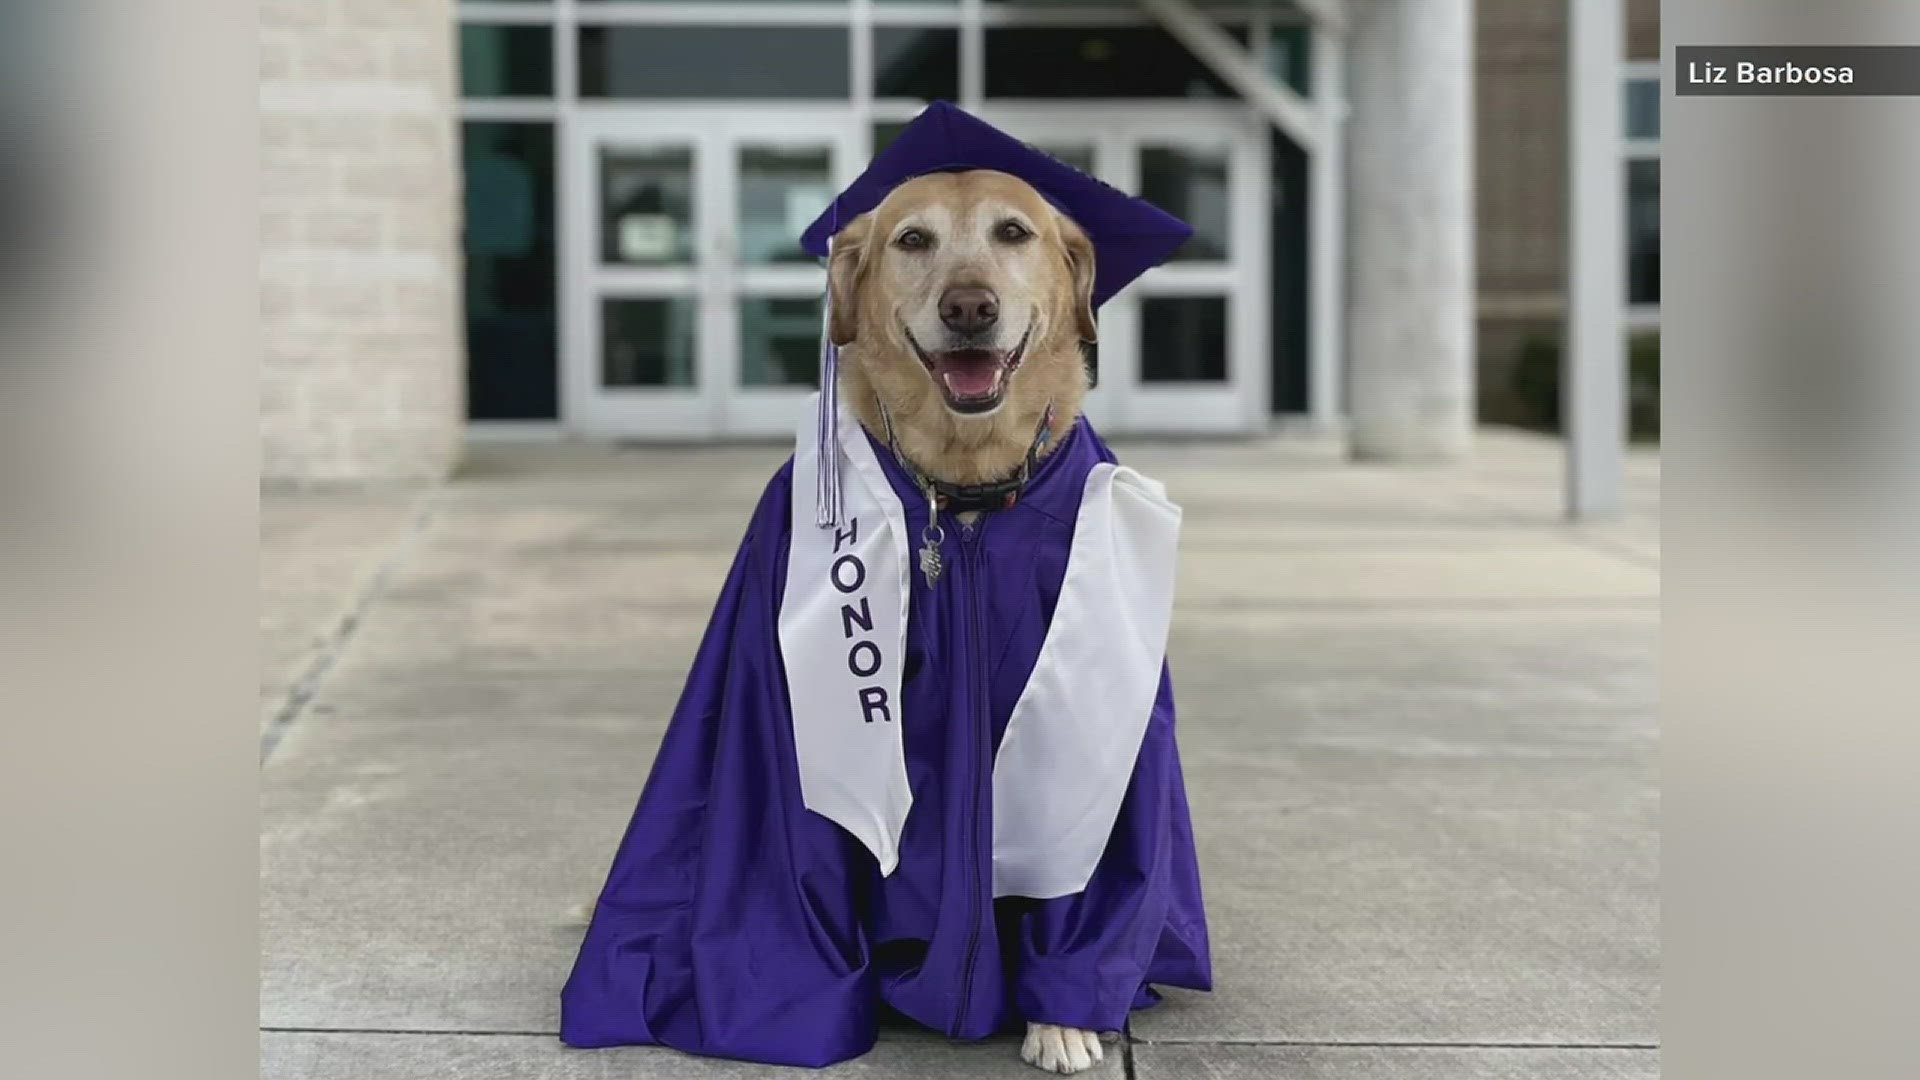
621	258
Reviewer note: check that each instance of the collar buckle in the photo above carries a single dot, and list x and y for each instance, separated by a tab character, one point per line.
961	498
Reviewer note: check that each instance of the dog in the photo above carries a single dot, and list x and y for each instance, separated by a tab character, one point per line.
960	306
961	303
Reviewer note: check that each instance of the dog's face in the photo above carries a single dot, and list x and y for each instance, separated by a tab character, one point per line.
969	286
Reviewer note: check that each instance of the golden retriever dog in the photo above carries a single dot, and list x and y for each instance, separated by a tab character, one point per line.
961	302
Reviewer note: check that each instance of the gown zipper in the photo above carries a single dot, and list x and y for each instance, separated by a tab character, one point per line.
981	721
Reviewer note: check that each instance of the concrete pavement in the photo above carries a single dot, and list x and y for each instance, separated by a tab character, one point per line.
1418	722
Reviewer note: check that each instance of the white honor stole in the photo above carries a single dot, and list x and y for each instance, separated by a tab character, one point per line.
1067	757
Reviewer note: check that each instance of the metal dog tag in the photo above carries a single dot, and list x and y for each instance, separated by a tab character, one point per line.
931	538
930	565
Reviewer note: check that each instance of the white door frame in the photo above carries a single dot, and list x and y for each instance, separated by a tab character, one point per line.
774	410
1117	131
713	132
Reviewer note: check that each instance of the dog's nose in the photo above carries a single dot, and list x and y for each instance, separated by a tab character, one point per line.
969	309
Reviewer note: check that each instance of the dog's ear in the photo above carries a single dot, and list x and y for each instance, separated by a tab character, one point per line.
1080	263
845	271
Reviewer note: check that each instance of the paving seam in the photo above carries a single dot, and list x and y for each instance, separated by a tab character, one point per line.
1469	605
1466	605
307	687
1128	1042
1367	1045
408	1031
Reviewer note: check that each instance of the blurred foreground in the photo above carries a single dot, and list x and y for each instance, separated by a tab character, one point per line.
1418	725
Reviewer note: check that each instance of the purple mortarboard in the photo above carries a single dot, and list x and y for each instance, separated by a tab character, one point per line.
1130	235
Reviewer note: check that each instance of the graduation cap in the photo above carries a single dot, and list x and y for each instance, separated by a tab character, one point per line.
1130	235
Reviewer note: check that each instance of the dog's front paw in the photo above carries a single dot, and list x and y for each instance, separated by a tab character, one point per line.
1061	1050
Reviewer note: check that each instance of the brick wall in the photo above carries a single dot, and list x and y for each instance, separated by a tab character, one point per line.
1520	162
363	373
1520	167
1643	29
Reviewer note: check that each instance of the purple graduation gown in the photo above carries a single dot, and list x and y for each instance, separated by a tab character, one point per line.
736	923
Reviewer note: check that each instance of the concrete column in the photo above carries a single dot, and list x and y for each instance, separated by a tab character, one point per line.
1410	229
363	372
1593	381
1326	242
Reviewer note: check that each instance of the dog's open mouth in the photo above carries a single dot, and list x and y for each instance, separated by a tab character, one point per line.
973	380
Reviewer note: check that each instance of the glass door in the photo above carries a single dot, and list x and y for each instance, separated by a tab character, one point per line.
693	312
640	296
1200	360
780	172
1182	350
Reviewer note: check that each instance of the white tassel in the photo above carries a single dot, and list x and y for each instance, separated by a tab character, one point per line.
827	423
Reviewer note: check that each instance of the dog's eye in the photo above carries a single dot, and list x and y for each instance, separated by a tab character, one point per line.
1012	231
913	240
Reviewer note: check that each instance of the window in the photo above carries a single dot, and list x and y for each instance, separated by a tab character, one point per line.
780	341
1643	231
1640	142
782	189
1190	184
512	338
646	206
1183	339
920	62
506	61
714	62
1096	62
1289	57
648	342
1643	108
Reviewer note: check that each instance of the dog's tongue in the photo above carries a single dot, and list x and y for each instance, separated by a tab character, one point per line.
970	373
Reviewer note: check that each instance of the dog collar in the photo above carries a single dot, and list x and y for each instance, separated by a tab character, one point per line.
963	498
